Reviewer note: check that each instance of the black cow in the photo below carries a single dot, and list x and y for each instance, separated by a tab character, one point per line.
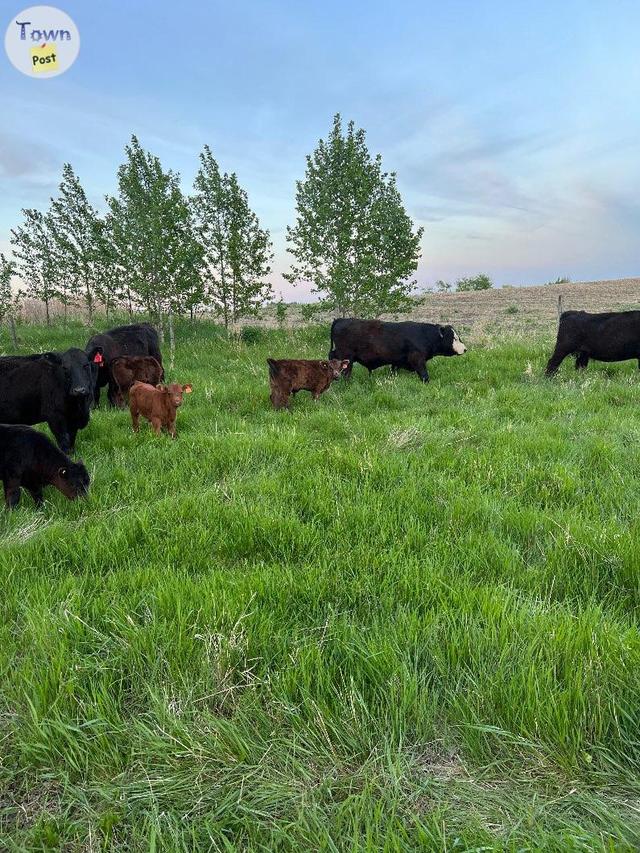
614	336
29	460
53	388
137	339
374	343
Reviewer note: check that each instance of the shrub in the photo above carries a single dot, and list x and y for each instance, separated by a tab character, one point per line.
281	311
476	282
443	286
560	280
308	311
251	334
512	309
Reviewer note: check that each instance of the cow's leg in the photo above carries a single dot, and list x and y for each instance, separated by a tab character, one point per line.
36	494
280	396
135	416
156	423
119	397
96	395
61	434
555	361
346	373
417	362
12	492
112	393
582	360
171	426
72	439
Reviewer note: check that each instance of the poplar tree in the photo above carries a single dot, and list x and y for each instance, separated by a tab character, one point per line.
152	228
75	230
353	240
9	300
237	251
33	247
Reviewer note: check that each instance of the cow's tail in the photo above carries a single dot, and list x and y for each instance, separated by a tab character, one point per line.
332	352
273	367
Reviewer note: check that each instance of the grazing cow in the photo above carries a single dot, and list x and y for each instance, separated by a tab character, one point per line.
158	405
288	376
53	388
29	460
127	369
137	339
374	343
614	336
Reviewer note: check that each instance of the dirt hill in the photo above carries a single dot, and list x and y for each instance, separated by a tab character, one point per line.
511	310
507	310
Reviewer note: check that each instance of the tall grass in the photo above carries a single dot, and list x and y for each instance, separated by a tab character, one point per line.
401	618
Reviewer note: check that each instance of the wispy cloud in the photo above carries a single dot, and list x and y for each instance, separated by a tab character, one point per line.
25	159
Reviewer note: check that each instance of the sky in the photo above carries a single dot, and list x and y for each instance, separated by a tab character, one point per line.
514	128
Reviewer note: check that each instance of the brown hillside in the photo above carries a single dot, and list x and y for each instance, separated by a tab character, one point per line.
512	310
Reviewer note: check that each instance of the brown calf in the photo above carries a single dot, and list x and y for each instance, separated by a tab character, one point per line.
158	405
127	369
288	376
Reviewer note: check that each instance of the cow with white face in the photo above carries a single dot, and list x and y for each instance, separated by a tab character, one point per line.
409	345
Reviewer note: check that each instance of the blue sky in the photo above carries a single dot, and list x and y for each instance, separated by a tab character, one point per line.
514	128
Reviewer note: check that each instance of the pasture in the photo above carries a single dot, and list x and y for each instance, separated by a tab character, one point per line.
401	618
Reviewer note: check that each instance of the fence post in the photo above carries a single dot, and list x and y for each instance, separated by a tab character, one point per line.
559	305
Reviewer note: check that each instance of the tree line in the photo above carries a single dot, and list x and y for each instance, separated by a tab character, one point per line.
157	250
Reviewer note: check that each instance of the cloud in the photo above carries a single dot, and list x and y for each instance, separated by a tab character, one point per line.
619	206
25	159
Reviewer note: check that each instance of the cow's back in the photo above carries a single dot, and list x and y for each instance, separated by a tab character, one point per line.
376	340
607	336
135	339
31	387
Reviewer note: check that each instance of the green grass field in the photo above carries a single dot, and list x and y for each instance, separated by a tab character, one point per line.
401	618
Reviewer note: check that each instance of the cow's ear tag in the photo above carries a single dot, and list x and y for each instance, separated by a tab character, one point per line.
98	359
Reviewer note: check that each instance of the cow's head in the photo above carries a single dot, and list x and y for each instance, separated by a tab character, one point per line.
72	480
450	343
337	366
80	371
98	363
174	392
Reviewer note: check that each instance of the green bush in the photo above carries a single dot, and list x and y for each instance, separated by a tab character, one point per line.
476	282
281	311
308	311
252	335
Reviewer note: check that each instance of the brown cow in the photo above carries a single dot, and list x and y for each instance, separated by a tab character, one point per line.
288	376
158	405
127	369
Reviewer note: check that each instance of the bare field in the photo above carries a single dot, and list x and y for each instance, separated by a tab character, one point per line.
511	310
507	310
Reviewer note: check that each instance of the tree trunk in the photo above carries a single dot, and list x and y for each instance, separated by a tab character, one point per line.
12	328
89	303
46	308
172	341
